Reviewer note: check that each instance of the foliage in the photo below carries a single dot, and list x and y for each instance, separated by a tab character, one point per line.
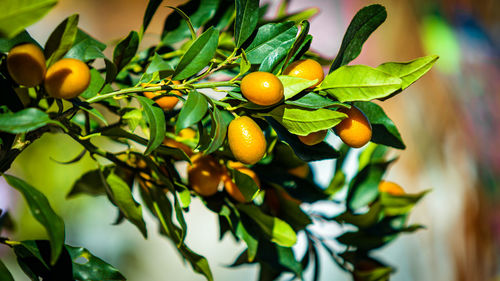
203	43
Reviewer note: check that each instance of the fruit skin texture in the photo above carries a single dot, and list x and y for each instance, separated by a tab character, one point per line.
390	187
26	64
67	78
262	88
246	140
307	69
355	130
231	187
314	137
204	174
166	103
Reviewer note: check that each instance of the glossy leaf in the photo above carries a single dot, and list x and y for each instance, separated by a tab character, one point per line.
362	25
90	183
198	55
125	51
302	37
268	38
313	100
94	268
5	274
96	83
61	39
122	197
275	229
192	111
187	20
384	131
363	189
199	11
86	48
245	184
218	129
17	15
158	64
320	151
399	204
247	15
148	15
156	120
411	71
359	83
26	120
43	213
294	85
274	59
301	121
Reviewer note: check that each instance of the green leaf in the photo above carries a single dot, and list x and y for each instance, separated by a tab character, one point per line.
363	189
362	25
187	20
5	273
200	12
307	153
400	204
218	128
294	85
247	16
411	71
156	120
313	100
158	64
125	51
122	196
199	263
90	183
302	121
26	120
93	269
337	183
292	213
148	15
273	228
384	130
252	242
302	38
269	37
61	39
359	83
111	71
86	48
43	213
22	37
245	65
17	15
198	55
364	220
96	83
272	62
192	111
133	117
245	184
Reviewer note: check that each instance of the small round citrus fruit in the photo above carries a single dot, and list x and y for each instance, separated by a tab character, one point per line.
168	102
391	188
262	88
204	174
307	69
67	78
355	130
26	64
231	187
246	140
301	171
314	137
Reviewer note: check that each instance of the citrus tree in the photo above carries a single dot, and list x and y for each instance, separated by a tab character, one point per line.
242	100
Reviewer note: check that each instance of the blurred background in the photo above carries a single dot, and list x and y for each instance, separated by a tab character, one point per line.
449	120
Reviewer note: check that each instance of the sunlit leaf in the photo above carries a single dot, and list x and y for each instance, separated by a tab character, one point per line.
17	15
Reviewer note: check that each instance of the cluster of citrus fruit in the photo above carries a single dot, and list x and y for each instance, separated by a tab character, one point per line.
65	79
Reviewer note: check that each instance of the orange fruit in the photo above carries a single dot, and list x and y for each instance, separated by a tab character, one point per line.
231	187
167	103
307	69
314	137
391	188
26	64
246	140
262	88
204	174
67	78
355	130
301	171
